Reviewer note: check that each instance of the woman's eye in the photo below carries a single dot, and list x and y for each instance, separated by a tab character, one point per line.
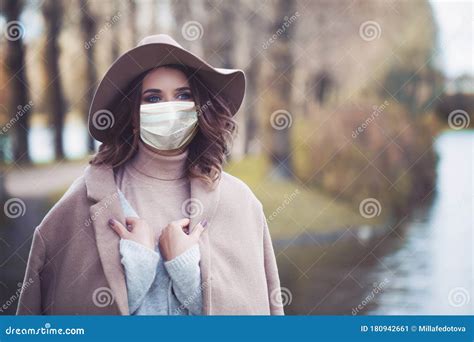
184	96
152	99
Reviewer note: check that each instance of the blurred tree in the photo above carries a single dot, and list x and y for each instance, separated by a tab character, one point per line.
252	31
155	26
88	29
415	89
115	41
133	21
18	83
219	48
52	12
277	96
188	23
460	102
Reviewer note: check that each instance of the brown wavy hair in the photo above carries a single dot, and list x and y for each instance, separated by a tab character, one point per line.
207	150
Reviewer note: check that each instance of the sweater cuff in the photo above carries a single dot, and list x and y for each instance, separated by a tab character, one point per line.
132	250
178	266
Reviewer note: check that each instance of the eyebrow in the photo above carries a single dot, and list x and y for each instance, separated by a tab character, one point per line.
153	90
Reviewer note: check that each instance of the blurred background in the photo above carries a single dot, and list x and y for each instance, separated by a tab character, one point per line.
356	134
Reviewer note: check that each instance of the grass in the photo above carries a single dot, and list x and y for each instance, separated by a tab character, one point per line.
291	207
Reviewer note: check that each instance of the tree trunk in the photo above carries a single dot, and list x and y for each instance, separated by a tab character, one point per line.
52	13
278	98
88	29
18	84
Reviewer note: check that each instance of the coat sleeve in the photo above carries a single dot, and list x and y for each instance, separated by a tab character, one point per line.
185	274
271	272
30	296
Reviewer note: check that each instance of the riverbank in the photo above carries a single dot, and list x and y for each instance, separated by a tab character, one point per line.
296	212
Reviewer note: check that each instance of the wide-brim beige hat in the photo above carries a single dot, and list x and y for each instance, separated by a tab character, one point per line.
151	52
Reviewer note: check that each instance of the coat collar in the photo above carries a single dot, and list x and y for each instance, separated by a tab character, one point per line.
102	191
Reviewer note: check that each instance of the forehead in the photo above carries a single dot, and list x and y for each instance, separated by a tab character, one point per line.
165	78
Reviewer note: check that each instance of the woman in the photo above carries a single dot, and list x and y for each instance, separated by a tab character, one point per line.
155	226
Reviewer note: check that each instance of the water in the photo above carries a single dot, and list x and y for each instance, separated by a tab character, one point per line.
424	267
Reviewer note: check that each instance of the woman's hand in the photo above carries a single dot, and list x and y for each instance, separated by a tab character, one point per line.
139	231
174	240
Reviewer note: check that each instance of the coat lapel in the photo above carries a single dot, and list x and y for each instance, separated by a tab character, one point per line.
203	205
101	189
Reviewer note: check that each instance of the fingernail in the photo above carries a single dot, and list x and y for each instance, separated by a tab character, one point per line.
111	222
204	223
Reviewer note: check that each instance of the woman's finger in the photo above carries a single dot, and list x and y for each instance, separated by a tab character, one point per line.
131	220
118	228
182	223
198	229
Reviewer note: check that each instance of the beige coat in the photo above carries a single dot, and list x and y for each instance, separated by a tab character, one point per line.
74	264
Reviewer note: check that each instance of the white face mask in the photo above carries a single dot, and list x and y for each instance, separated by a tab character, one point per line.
168	125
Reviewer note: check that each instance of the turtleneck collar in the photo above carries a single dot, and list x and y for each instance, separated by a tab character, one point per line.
159	166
